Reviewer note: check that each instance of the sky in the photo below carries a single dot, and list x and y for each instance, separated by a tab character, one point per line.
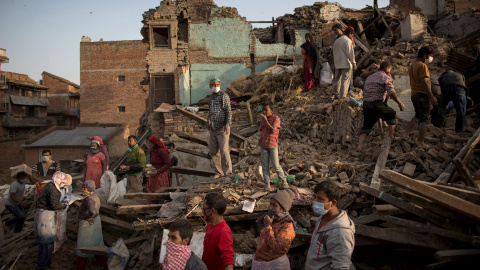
45	35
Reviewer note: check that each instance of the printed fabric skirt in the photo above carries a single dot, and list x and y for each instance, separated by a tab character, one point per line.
160	180
281	263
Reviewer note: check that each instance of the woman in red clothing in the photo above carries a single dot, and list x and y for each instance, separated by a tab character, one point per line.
160	159
276	234
96	164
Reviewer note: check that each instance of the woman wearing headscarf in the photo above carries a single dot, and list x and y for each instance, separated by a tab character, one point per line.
61	216
276	234
90	225
103	149
309	61
96	164
160	159
44	225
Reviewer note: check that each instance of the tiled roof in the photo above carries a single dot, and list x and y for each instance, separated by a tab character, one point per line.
23	79
61	79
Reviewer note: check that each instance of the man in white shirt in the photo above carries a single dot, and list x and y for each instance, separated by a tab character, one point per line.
344	60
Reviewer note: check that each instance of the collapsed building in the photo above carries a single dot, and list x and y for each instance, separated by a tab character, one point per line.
423	209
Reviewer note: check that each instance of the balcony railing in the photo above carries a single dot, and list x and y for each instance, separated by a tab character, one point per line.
8	121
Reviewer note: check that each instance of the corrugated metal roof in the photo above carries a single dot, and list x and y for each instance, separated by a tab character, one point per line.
29	101
73	138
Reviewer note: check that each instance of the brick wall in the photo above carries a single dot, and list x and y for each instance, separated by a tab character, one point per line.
57	93
15	157
101	64
166	124
462	6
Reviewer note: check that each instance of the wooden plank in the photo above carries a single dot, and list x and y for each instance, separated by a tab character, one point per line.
467	208
471	196
471	144
405	238
188	137
346	201
147	196
193	152
366	219
435	208
16	237
428	228
121	225
464	173
417	211
203	121
457	254
243	217
387	209
138	209
95	250
382	159
135	240
191	171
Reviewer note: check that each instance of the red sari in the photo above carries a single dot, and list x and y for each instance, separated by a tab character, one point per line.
160	159
95	168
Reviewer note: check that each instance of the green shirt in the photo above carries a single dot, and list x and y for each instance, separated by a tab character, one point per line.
136	160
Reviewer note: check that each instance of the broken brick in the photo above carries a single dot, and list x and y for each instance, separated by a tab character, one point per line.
409	169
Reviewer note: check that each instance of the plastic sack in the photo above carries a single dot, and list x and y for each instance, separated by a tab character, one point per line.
326	75
118	256
175	207
110	190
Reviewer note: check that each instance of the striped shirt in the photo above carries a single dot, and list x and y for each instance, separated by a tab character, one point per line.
378	86
52	168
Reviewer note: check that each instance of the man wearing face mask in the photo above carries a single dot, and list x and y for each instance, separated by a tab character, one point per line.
219	121
333	240
276	233
422	96
46	168
15	203
218	241
179	256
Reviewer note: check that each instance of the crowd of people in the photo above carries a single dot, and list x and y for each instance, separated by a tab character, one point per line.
332	241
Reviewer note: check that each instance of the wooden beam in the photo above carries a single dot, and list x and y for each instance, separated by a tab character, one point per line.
428	228
135	240
121	225
411	208
471	144
388	27
191	171
466	208
457	254
464	173
138	209
193	152
471	196
356	38
194	139
435	208
366	219
371	24
203	121
387	209
147	196
382	159
405	238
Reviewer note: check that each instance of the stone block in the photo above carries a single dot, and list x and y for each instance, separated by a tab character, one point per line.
448	147
444	155
433	153
409	169
343	177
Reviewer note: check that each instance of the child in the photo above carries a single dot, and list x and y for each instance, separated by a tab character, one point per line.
173	160
269	128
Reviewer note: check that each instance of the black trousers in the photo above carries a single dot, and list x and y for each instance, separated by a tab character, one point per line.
374	110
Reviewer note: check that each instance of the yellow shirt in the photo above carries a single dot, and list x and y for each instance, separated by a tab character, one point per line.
417	71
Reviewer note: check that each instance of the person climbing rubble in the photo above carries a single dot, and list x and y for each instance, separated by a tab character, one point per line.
135	162
218	242
344	60
268	142
276	233
454	90
179	256
219	121
378	87
333	238
422	96
15	203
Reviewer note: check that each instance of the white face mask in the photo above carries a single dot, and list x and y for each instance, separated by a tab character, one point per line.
430	59
45	158
215	89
